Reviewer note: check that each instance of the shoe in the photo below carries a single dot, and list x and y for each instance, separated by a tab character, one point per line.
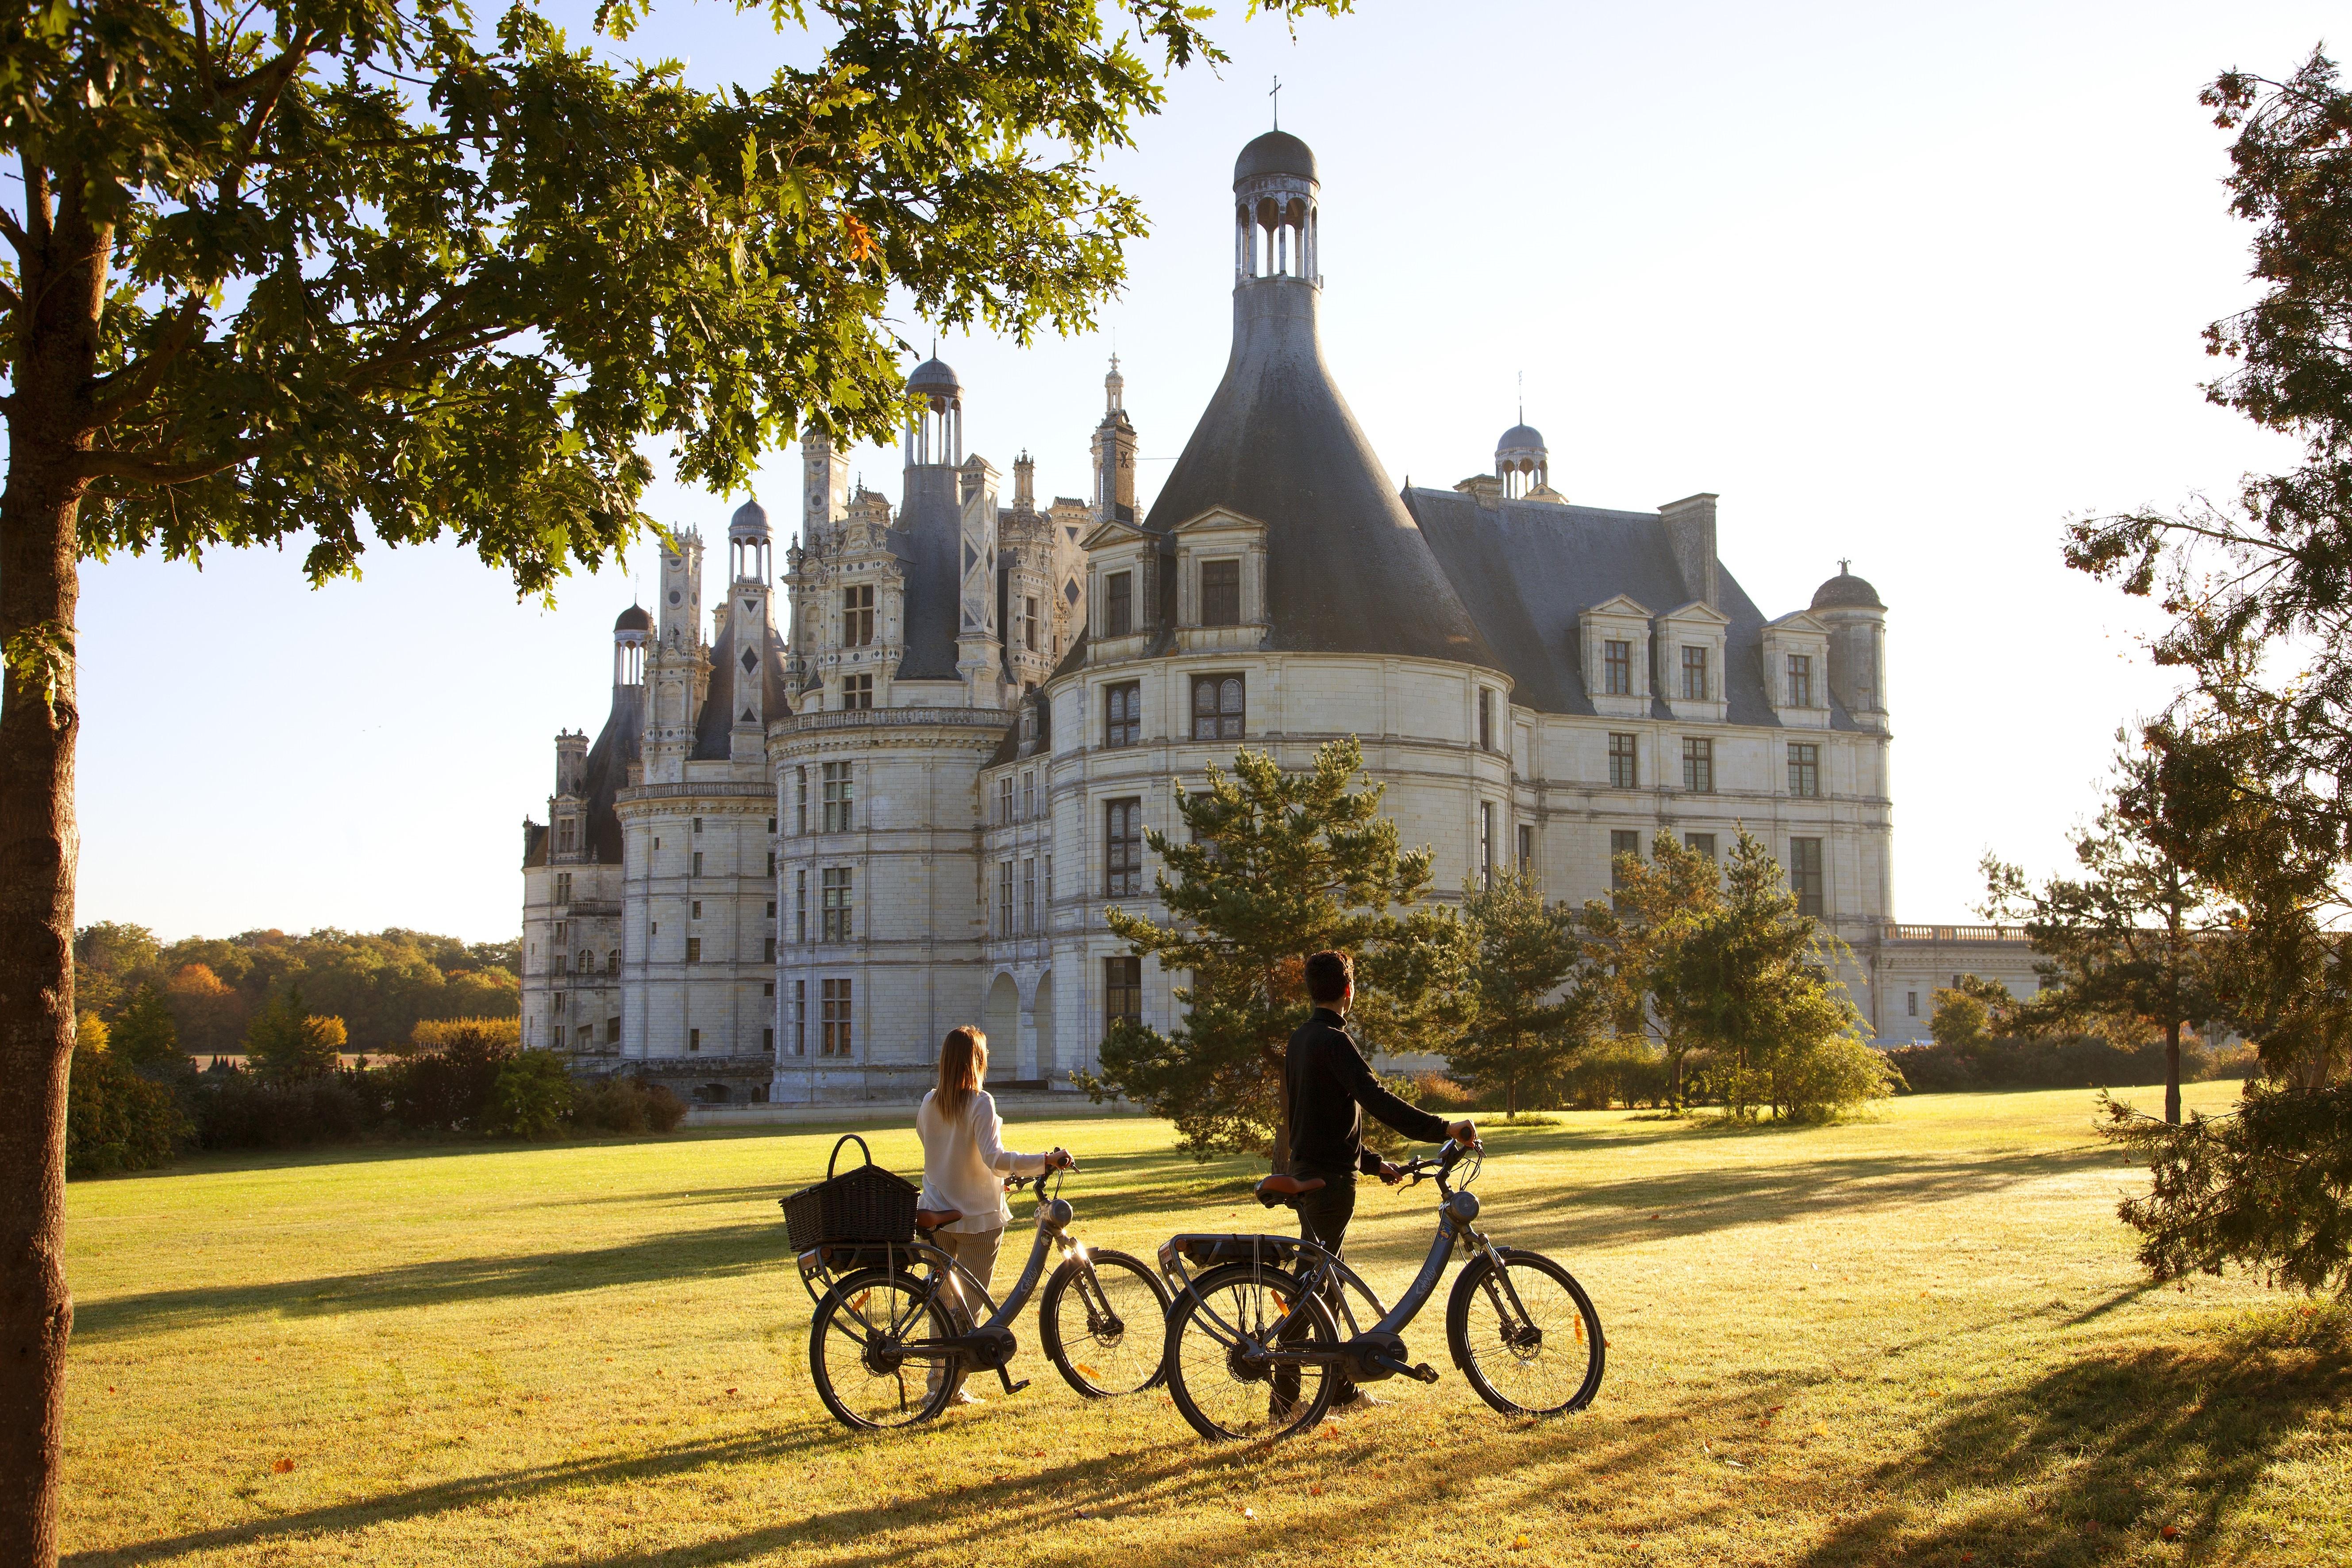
1357	1399
966	1396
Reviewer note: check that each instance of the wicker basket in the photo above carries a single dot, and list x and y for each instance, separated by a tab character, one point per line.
868	1205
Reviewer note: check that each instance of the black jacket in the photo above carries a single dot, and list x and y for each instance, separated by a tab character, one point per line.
1331	1086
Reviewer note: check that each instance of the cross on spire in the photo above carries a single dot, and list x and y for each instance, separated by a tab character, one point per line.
1277	95
1845	562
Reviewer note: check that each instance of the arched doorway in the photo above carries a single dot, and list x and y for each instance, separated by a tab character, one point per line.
1041	1009
1002	1021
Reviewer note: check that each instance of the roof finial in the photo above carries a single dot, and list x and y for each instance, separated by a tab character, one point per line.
1845	564
1523	398
1277	96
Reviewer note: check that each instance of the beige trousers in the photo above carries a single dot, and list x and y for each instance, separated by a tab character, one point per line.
976	1250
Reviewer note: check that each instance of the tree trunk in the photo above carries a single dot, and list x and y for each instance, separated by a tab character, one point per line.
62	278
2172	1072
1281	1163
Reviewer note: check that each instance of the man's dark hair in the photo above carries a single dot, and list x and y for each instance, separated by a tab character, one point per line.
1329	975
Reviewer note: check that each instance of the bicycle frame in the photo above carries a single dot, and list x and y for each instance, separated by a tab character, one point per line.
991	1346
1367	1356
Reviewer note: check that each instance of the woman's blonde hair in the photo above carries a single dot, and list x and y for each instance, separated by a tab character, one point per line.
962	1061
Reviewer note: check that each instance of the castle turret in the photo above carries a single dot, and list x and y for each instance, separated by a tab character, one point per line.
676	673
748	619
1856	618
1114	452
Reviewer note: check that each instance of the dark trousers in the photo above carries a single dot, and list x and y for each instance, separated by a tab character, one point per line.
1323	1219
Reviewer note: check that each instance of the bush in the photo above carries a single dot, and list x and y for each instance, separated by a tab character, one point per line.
1828	1079
116	1120
439	1033
626	1105
237	1109
531	1095
1616	1071
2066	1062
451	1087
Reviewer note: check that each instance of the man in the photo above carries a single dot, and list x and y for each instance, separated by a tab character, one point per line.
1329	1086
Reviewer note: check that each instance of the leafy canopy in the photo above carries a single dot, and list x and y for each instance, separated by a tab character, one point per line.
372	264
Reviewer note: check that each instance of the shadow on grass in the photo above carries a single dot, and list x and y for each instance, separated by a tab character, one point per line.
2086	1464
702	1254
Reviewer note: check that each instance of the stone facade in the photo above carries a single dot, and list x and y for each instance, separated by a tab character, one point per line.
794	860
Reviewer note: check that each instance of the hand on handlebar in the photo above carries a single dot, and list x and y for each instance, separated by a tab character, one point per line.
1390	1172
1464	1135
1060	1159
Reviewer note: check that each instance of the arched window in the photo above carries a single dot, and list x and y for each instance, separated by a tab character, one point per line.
613	961
1219	707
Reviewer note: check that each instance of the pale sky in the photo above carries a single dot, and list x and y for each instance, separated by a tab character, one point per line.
1910	285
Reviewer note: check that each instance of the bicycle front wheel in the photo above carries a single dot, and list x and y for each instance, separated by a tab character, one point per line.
1526	1336
1104	1323
858	1355
1226	1389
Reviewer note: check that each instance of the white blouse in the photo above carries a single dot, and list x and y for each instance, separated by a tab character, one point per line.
965	1161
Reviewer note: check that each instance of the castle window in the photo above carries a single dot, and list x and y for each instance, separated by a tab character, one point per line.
769	954
856	693
772	826
1029	624
1911	1004
834	907
1218	706
1700	844
1486	719
1804	768
1805	875
694	1039
694	950
586	963
1486	840
1617	669
697	871
1049	881
611	1031
858	617
1122	848
1624	845
771	908
563	836
772	863
1221	592
768	1041
839	797
800	906
1028	796
1029	894
800	797
613	961
561	928
564	886
835	1021
1624	767
1122	991
555	1004
1698	764
1123	711
1005	799
1118	604
1694	675
698	825
1800	680
800	1017
1004	898
1527	847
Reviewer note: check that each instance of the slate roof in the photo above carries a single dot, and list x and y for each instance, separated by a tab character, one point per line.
714	725
618	744
1347	568
925	537
1529	569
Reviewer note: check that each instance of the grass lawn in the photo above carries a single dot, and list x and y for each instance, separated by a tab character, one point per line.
1917	1339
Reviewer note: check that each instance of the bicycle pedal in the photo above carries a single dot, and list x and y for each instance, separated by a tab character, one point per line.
1425	1372
1005	1378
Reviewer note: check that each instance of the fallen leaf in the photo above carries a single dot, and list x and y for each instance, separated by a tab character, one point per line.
2171	1532
284	1466
730	1391
1314	1491
1520	1545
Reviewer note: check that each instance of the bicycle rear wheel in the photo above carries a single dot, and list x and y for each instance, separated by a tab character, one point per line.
1225	1390
1532	1349
1103	1324
857	1353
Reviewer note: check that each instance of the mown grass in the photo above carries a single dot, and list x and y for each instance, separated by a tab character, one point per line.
1918	1339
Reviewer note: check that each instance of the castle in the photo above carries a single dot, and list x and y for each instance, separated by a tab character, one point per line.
799	852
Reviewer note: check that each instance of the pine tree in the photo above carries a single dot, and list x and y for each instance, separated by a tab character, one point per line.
145	1036
1629	939
1524	1029
284	1043
1274	865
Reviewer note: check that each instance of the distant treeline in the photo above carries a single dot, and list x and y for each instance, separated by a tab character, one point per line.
380	984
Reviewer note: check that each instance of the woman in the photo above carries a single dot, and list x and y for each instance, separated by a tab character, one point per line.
964	1163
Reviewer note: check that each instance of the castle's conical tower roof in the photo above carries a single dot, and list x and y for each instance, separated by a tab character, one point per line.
1347	568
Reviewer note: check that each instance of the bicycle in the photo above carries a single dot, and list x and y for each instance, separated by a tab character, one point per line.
1520	1327
887	1308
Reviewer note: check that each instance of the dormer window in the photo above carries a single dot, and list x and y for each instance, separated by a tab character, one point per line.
1118	604
858	617
1617	669
1694	674
1800	680
1221	592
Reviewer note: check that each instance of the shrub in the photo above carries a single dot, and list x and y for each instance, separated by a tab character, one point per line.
2242	1060
626	1105
1830	1078
116	1120
531	1095
449	1088
439	1033
1617	1070
236	1110
2065	1061
1438	1094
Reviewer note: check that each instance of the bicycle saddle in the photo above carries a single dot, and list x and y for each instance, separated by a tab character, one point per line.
1277	1189
931	1219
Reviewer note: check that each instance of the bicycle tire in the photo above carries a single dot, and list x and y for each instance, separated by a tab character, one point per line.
1110	1357
1532	1278
1250	1288
833	1340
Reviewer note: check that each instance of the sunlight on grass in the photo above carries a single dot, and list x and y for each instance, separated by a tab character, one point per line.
1918	1339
